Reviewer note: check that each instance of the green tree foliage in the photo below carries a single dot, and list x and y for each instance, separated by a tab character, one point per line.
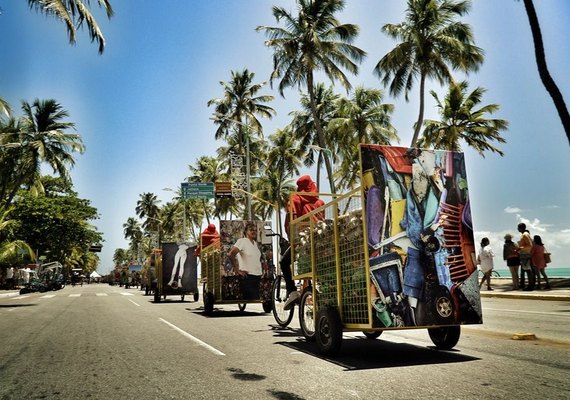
431	42
57	223
75	14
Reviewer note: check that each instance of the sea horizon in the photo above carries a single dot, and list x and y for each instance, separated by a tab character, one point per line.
551	272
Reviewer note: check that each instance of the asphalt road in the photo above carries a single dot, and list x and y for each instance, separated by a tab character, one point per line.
106	342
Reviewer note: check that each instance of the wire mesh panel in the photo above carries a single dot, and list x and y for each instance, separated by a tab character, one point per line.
352	259
331	248
211	261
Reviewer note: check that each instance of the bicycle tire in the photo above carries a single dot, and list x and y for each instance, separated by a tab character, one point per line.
306	314
278	298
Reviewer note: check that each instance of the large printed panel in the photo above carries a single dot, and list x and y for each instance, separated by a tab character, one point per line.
420	237
246	248
179	268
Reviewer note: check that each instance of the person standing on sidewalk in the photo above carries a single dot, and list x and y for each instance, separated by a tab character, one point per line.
538	262
485	260
525	247
511	256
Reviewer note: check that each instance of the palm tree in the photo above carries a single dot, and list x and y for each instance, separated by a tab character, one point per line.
545	77
462	121
75	14
39	137
206	169
283	161
238	110
5	107
431	41
133	233
363	118
11	249
313	40
304	126
147	207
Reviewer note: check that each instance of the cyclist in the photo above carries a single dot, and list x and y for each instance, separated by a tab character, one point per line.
300	204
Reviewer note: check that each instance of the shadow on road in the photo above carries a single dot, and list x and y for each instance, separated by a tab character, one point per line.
16	305
360	353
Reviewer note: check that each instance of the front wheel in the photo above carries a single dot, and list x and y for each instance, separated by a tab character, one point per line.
372	334
208	299
196	296
267	306
278	298
306	314
446	337
242	306
328	330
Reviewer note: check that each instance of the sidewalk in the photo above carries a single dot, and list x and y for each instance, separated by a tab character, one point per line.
502	287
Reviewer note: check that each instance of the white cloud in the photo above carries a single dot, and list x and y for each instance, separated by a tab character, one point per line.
512	210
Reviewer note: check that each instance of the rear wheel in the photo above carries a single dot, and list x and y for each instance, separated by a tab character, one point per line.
446	337
372	334
267	306
328	331
242	306
306	314
196	296
278	298
208	299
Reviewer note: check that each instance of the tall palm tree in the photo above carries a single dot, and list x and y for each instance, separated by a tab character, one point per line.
545	77
431	41
133	233
362	118
75	14
462	121
41	138
283	161
147	207
206	169
313	40
238	110
11	249
5	107
304	125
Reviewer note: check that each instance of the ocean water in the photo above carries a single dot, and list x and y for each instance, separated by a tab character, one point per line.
552	272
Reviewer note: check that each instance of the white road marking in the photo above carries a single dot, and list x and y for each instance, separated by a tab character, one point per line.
195	339
19	297
138	305
47	296
101	294
75	295
127	294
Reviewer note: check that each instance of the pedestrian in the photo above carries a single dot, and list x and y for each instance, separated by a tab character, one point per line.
538	261
485	261
525	247
10	278
208	236
511	256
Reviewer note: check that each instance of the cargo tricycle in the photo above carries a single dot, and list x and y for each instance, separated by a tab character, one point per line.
176	271
395	253
238	268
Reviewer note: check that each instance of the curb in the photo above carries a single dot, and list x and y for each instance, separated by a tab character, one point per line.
551	297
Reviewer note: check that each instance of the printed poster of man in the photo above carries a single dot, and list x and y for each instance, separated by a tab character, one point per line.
247	260
420	237
179	268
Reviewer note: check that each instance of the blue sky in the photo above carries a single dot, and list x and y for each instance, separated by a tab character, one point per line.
141	106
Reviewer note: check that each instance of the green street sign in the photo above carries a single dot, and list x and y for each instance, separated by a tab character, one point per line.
197	190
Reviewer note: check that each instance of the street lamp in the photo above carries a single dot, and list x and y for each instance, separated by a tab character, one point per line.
328	153
220	118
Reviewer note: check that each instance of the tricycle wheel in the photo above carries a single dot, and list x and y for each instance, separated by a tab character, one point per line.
443	306
156	296
196	296
181	297
208	303
372	334
278	298
328	331
306	314
242	306
267	306
445	337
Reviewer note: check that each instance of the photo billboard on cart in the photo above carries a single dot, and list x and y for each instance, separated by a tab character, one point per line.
179	268
247	260
420	237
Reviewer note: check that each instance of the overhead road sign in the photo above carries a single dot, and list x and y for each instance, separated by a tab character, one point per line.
197	190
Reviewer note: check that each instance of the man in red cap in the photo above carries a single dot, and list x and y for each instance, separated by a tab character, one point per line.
207	237
300	204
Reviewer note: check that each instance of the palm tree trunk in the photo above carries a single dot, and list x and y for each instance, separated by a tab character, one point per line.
421	114
545	76
319	129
